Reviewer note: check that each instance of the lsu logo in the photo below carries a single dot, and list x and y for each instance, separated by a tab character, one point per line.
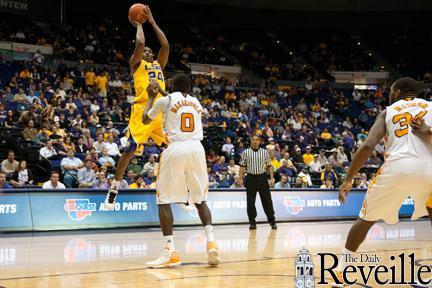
79	209
294	204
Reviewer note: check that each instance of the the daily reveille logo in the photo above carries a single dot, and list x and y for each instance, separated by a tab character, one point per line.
79	209
362	269
294	204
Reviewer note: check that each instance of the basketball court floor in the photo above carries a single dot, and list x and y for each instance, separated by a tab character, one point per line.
262	258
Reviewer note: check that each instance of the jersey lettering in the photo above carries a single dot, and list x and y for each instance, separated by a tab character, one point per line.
404	119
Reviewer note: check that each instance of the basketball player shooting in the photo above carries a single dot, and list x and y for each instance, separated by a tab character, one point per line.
406	172
182	171
143	68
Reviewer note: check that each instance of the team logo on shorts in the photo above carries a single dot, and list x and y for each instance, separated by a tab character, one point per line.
79	209
294	204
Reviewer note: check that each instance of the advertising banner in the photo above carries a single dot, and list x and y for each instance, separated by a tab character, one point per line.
64	211
82	209
15	212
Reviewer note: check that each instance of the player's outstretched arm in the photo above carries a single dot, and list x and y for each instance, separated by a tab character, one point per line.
135	60
163	41
151	111
376	133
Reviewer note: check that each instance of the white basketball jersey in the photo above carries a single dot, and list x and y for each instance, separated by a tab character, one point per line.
400	141
183	118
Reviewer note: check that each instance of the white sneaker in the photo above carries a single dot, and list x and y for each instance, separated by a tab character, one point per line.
110	199
213	254
167	259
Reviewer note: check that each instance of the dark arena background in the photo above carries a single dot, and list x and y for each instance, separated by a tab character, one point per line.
308	77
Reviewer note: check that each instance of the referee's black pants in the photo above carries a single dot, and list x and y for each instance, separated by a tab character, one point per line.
254	184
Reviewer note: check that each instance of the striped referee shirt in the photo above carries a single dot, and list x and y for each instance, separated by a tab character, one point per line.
255	161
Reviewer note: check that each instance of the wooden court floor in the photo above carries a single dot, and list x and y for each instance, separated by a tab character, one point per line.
264	258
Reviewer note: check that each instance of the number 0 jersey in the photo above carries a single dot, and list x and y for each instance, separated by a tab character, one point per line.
181	117
400	141
143	74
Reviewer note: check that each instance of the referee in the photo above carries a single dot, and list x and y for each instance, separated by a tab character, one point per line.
256	162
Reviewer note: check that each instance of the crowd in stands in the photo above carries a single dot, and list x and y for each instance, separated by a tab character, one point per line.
77	119
104	42
337	52
308	55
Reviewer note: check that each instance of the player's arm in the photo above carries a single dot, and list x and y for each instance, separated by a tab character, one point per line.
135	60
242	164
69	167
241	173
163	41
152	111
376	133
270	170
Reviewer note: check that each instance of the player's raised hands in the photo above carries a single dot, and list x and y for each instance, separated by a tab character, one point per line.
153	88
149	15
134	23
344	190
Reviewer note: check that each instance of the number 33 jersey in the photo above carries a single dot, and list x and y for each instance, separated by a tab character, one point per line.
401	143
181	117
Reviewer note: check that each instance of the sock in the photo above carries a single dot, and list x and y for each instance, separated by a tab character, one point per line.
115	184
342	259
169	242
209	232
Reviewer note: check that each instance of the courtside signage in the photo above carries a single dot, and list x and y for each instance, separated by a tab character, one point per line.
81	209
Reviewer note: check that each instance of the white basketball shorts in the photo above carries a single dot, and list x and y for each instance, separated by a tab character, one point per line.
395	182
182	174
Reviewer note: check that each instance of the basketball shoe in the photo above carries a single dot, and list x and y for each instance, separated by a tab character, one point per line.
213	254
168	258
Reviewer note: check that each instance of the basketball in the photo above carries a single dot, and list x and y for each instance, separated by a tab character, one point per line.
137	13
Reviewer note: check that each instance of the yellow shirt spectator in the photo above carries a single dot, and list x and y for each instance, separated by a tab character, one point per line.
70	80
258	132
133	186
300	119
315	107
101	82
90	78
206	101
62	133
308	158
126	85
25	74
106	135
325	135
275	164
